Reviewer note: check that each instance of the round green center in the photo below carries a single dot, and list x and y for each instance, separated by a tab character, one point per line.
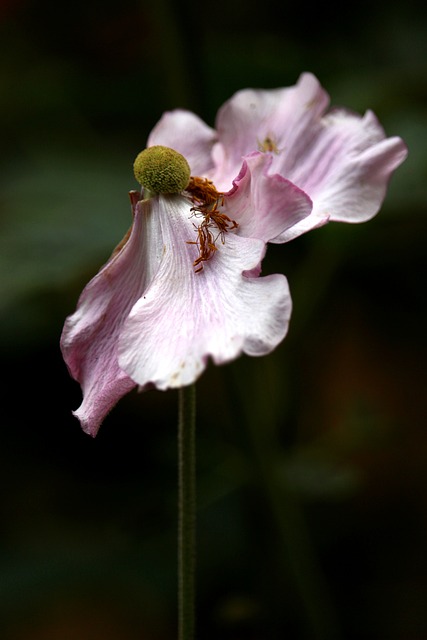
162	170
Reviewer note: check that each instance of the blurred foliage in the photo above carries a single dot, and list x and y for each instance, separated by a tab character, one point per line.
312	474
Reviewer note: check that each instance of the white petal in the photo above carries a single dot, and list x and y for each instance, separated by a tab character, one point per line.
184	317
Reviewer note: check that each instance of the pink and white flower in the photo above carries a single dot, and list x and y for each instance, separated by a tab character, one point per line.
185	286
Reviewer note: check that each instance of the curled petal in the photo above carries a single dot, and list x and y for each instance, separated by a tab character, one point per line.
189	135
264	205
90	336
184	317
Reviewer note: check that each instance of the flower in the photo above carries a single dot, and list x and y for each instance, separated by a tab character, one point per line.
184	285
341	160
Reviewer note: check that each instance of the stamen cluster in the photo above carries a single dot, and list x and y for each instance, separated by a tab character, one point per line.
215	224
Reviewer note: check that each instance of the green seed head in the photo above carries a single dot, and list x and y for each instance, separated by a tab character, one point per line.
162	170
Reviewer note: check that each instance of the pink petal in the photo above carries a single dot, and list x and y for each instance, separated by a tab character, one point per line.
251	116
90	336
346	167
184	317
264	205
341	160
189	135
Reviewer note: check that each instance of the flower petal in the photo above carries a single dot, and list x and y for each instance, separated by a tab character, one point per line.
343	161
184	317
189	135
265	119
90	336
264	205
346	167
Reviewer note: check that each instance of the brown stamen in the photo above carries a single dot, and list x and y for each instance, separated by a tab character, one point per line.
215	224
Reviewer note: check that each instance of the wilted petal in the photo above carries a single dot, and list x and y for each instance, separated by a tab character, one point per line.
184	317
90	336
264	205
189	135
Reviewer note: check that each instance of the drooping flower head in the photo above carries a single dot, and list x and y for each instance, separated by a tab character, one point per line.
184	285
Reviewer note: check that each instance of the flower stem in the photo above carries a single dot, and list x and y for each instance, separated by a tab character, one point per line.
186	512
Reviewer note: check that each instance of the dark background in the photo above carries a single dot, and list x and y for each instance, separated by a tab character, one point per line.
312	461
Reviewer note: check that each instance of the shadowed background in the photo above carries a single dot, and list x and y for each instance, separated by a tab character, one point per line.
311	461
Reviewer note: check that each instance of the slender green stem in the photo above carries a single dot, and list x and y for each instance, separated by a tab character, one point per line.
186	512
